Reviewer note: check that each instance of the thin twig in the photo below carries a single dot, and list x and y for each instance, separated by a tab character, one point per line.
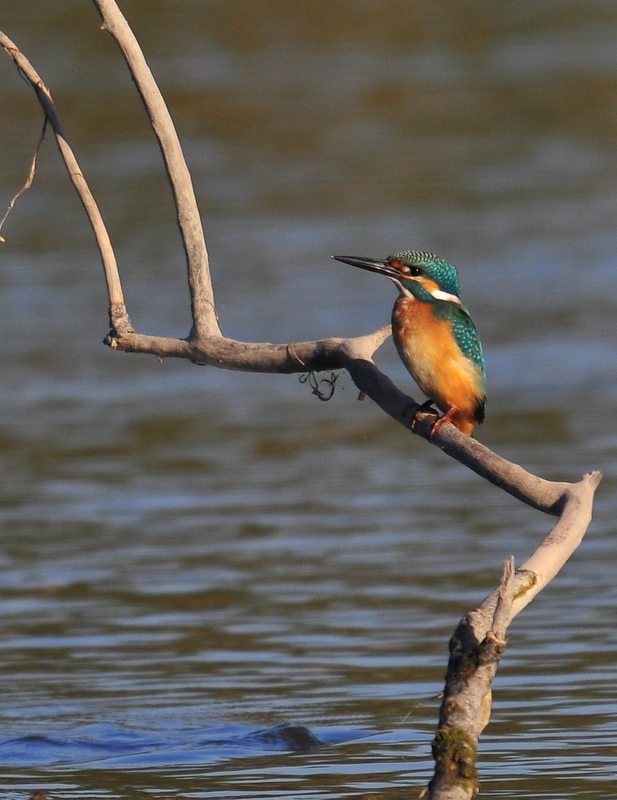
29	179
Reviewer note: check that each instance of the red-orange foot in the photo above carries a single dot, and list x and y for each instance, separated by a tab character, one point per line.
425	408
448	417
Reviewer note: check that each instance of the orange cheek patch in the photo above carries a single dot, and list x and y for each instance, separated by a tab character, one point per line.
428	284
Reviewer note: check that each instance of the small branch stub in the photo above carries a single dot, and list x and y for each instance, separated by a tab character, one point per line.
466	706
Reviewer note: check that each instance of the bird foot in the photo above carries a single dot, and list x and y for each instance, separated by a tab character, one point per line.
447	417
425	408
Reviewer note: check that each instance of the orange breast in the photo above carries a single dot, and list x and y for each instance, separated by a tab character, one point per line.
429	350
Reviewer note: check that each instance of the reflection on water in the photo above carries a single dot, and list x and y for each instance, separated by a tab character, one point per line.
191	559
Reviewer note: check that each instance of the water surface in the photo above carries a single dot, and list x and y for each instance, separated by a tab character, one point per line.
212	584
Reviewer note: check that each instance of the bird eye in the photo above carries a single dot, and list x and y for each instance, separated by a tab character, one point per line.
406	269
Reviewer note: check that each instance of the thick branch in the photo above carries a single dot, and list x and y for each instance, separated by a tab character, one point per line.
218	351
479	642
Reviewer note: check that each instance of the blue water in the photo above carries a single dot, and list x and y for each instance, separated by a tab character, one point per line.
105	746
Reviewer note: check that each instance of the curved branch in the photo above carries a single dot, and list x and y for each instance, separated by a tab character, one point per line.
118	312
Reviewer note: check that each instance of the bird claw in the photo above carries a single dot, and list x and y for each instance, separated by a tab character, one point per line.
427	408
447	417
424	408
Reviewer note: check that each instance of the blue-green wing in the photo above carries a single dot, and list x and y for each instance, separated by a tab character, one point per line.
467	337
468	340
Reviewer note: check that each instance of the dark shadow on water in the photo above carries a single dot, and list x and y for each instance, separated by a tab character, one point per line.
110	746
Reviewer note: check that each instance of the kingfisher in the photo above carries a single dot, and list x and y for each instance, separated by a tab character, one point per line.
434	335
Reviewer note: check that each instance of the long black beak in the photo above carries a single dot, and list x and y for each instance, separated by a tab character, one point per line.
371	264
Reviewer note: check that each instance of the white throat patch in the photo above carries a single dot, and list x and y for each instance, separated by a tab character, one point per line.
449	298
436	293
403	291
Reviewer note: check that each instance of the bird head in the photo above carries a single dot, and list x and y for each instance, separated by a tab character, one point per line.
419	275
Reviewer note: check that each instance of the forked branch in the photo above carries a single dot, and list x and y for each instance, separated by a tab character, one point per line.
205	344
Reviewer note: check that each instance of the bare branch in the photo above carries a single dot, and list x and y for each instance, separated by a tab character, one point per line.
353	354
205	323
543	495
205	344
